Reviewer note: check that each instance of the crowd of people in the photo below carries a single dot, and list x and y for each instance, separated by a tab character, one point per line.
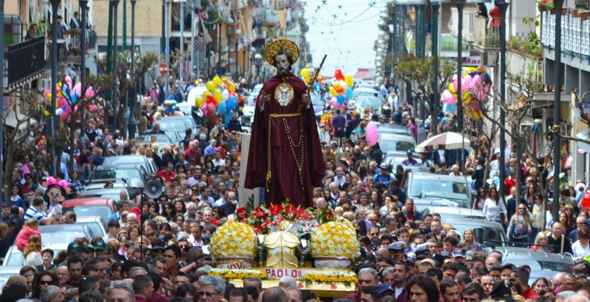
158	249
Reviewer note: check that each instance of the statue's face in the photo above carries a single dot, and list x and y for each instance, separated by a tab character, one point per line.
282	64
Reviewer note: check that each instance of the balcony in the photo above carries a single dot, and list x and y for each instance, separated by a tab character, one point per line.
575	34
24	61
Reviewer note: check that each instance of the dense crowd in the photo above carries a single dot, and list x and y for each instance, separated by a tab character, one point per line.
158	249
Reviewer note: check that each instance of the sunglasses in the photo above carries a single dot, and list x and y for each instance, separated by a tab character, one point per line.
45	282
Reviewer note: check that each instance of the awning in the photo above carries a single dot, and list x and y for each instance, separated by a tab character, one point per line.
581	145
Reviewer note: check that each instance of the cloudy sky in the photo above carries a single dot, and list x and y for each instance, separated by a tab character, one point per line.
345	30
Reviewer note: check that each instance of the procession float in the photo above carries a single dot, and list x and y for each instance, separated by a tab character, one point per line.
268	243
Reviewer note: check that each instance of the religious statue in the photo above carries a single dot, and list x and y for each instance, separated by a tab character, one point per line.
281	249
285	155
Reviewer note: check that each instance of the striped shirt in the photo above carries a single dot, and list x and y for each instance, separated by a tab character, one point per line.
34	213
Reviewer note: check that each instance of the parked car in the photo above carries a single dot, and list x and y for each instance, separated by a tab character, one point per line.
160	139
175	126
488	233
428	189
542	264
91	207
393	129
113	194
131	160
448	213
94	225
367	98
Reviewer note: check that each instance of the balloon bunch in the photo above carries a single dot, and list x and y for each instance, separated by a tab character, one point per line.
341	89
219	98
475	88
307	75
68	96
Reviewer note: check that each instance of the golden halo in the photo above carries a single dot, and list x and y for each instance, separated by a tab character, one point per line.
281	45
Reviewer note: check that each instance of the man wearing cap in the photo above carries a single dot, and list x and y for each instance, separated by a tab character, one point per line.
410	161
285	154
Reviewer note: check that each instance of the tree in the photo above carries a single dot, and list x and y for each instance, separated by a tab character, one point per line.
418	71
18	135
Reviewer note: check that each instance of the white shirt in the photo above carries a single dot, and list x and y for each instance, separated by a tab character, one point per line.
493	211
580	251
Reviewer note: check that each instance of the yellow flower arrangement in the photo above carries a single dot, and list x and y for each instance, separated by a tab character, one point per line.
232	274
233	239
331	276
335	239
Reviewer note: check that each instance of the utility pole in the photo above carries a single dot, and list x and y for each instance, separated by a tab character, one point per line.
435	7
55	26
115	73
502	5
420	32
181	61
193	37
558	79
2	66
460	5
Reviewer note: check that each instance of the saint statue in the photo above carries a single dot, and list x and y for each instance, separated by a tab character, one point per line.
285	154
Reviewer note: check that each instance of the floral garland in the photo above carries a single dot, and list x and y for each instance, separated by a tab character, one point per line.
268	219
232	274
331	276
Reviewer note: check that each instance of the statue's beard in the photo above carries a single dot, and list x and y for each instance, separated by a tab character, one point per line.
283	71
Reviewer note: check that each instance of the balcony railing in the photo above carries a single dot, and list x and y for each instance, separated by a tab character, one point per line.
23	61
575	34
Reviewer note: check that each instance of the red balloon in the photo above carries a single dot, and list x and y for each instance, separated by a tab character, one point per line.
338	74
585	201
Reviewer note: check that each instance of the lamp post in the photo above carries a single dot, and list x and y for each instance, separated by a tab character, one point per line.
460	5
558	79
435	7
84	8
134	75
54	26
115	73
2	102
181	63
502	4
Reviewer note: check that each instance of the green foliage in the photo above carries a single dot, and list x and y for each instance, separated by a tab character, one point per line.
530	46
419	71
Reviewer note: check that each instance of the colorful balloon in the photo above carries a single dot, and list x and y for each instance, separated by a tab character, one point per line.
348	80
338	75
371	133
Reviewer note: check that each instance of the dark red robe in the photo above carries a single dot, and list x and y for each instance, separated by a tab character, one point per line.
285	181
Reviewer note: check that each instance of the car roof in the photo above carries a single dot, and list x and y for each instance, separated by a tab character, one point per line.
50	228
125	158
527	253
433	176
86	219
89	201
474	222
451	212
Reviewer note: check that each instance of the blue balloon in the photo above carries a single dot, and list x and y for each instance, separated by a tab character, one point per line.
340	99
221	108
232	103
349	93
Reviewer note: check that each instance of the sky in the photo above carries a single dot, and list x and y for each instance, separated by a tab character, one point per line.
345	30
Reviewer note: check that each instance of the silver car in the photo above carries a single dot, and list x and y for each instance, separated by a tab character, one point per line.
428	189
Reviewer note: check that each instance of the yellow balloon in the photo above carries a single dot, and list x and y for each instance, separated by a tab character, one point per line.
205	94
218	96
452	89
210	85
306	75
333	91
217	80
231	87
199	101
348	80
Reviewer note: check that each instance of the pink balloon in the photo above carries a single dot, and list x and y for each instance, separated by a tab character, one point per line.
371	134
63	183
51	181
448	98
92	108
89	92
78	89
69	81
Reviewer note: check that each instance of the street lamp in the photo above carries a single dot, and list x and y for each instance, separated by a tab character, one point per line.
54	28
115	73
2	102
502	4
134	75
84	8
558	78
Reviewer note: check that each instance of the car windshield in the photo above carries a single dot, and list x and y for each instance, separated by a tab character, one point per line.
103	212
94	228
482	234
159	138
369	102
365	93
390	145
437	188
175	124
60	237
117	173
537	265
